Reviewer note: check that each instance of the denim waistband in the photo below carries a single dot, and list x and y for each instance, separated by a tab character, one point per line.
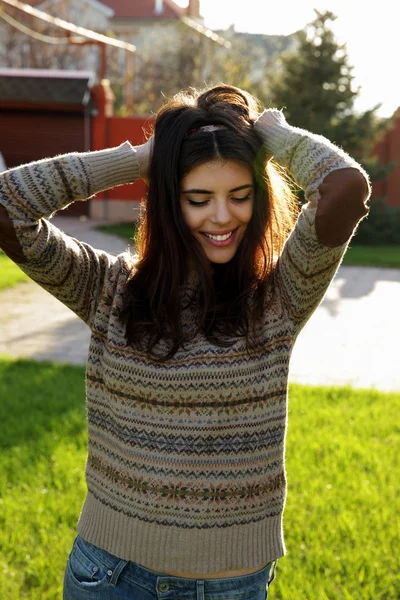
153	580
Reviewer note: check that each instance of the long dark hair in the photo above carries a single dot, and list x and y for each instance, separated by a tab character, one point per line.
167	249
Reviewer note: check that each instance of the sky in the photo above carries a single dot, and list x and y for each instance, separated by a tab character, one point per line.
371	31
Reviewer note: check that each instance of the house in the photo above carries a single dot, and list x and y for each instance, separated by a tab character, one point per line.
130	20
169	41
46	112
43	113
123	12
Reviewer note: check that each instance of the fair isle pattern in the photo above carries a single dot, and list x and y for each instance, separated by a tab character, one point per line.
306	266
69	269
185	468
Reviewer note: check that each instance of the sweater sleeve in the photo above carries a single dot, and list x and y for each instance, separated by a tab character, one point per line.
336	191
70	270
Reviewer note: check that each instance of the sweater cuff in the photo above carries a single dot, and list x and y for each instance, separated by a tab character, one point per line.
112	167
274	130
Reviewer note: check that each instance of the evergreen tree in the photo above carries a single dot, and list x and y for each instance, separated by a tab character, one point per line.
314	86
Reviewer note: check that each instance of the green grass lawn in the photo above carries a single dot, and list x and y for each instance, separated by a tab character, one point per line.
362	256
10	274
341	519
373	256
127	231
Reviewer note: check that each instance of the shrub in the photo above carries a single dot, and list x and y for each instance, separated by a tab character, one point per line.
381	227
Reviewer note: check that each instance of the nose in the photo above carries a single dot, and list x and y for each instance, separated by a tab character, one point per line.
221	213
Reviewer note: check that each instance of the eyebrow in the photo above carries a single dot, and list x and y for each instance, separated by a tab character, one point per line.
197	191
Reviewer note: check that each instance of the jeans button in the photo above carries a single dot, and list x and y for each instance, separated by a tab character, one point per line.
163	587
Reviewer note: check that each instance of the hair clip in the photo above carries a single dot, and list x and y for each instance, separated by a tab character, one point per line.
205	128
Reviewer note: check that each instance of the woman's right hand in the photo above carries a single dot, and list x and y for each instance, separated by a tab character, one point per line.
143	155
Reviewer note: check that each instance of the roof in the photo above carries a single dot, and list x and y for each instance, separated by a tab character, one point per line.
144	9
135	9
65	25
42	86
96	3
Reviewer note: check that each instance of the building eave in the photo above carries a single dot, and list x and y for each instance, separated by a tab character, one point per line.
106	10
70	27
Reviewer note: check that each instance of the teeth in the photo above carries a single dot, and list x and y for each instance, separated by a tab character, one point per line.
219	238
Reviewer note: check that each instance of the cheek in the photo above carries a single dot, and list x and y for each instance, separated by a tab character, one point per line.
246	212
192	219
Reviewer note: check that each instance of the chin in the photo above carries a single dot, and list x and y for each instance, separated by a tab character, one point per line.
220	258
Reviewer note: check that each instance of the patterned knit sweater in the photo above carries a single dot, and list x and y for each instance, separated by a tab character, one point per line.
185	467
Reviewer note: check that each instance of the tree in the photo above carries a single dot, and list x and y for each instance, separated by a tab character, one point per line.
165	66
314	84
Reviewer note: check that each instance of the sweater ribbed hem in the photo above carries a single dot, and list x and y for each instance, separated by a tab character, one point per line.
163	548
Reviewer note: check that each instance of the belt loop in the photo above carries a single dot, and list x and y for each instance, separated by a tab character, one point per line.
117	572
200	589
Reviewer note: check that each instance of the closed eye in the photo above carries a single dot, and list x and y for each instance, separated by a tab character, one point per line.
193	203
242	199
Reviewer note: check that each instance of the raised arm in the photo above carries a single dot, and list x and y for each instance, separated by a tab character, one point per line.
336	189
72	271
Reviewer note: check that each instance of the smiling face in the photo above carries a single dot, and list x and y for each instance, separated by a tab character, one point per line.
216	200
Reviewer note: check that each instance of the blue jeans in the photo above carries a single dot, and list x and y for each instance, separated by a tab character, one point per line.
94	574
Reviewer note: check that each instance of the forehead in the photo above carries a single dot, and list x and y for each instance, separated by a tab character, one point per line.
222	173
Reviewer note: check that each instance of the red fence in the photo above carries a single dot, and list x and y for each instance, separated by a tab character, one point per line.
388	151
108	132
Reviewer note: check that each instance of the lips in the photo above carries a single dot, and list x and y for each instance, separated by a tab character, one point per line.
224	242
219	238
222	232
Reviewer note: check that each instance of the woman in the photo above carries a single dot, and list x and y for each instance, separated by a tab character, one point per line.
188	363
